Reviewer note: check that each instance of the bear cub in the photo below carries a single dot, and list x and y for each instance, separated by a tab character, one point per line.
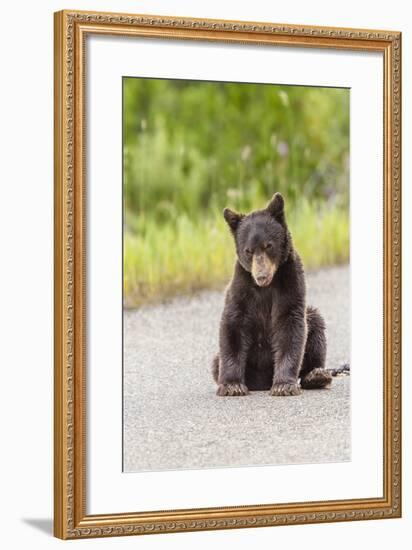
269	338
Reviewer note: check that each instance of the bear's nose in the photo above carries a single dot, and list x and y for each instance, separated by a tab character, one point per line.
261	279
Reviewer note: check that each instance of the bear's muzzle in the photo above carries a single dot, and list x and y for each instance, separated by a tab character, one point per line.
263	269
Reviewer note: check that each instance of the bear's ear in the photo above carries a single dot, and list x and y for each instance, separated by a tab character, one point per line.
232	218
276	207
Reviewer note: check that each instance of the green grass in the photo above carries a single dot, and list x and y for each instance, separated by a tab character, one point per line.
194	254
191	148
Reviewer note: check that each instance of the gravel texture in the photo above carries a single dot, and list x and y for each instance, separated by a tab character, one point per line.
174	420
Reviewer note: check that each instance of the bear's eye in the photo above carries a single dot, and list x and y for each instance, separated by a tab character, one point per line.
268	245
248	251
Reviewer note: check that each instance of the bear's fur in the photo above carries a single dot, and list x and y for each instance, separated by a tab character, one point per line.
269	339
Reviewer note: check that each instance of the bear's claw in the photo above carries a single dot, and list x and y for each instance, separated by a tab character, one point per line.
232	390
285	389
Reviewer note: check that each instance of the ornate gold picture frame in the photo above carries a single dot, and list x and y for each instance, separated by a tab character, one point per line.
70	518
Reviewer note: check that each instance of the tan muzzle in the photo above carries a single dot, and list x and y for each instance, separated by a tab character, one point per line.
263	269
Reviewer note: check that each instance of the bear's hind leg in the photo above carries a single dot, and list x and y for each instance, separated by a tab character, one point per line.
313	373
316	379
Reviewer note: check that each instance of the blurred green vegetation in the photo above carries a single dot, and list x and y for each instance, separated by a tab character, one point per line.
191	148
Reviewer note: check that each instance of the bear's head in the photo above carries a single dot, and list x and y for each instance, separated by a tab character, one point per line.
262	239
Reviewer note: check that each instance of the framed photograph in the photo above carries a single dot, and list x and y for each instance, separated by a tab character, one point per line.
227	274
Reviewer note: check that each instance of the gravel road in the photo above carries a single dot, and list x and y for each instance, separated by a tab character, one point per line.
174	420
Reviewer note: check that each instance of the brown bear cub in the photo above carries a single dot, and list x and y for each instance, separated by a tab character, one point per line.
269	339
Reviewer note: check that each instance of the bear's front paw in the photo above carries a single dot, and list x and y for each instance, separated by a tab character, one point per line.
232	390
285	389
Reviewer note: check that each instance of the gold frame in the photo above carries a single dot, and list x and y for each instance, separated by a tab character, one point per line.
70	518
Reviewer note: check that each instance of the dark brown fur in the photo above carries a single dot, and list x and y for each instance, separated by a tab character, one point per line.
269	339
